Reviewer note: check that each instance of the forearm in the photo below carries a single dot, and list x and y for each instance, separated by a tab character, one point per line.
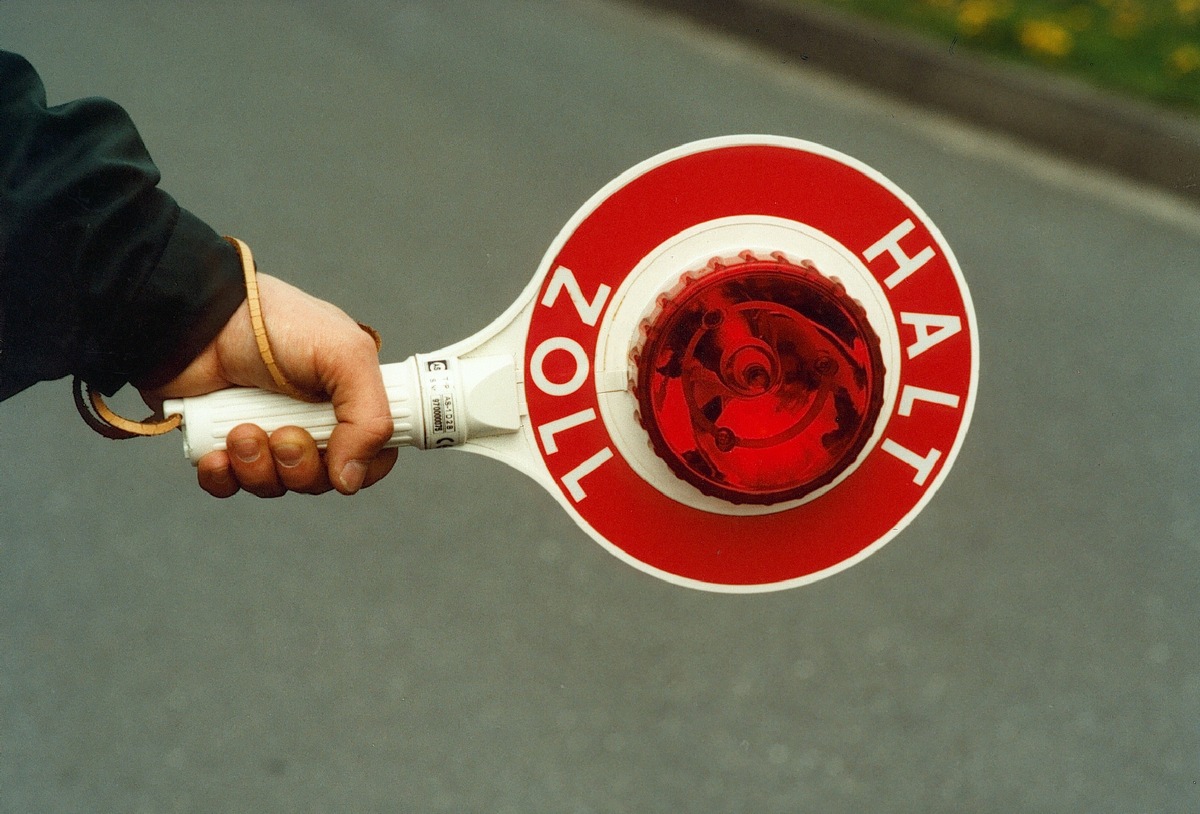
102	275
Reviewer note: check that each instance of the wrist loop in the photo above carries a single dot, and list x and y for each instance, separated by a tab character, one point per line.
97	415
250	274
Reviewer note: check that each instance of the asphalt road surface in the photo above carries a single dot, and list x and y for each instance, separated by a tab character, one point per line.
449	640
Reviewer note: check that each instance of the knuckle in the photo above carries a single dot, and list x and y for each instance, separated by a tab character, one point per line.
359	345
379	429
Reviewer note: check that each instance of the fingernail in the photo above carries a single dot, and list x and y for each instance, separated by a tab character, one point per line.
246	450
353	474
288	455
221	476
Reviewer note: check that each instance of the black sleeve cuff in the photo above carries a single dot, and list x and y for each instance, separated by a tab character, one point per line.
177	310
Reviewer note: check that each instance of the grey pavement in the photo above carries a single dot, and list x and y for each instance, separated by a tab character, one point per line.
448	641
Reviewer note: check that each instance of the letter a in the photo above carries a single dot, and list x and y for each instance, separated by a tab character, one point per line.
943	327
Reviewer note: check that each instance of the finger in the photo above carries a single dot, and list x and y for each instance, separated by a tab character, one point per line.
379	467
355	386
251	461
298	461
215	476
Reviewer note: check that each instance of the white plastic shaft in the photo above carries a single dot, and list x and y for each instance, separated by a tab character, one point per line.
436	401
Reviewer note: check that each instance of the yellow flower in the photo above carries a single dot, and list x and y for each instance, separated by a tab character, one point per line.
976	15
1184	60
1046	38
1189	10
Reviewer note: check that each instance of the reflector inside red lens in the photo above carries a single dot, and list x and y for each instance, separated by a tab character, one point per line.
759	380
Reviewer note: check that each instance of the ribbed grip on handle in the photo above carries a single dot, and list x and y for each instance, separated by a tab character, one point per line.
208	419
437	400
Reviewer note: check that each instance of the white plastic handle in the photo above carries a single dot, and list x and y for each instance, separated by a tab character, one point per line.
436	401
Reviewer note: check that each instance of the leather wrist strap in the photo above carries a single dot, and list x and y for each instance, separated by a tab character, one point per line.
250	272
97	415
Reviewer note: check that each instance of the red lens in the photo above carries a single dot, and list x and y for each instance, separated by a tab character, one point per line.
759	381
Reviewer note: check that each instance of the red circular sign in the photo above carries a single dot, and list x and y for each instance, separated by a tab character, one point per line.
921	434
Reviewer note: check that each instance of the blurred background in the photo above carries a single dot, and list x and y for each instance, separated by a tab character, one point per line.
449	640
1142	49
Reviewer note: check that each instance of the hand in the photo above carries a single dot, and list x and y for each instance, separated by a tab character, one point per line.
322	352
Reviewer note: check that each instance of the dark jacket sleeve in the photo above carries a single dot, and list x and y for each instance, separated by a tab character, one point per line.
102	274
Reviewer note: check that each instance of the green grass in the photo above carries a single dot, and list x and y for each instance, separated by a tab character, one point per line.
1148	49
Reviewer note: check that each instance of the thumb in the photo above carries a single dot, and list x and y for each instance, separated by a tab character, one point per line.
351	376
